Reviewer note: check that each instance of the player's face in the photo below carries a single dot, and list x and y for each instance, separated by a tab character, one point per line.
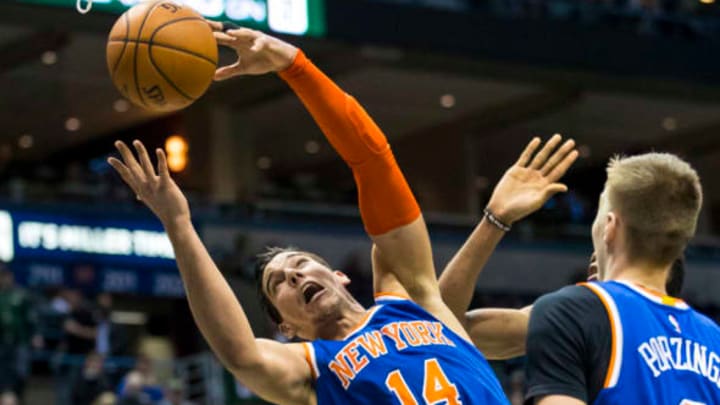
304	291
598	231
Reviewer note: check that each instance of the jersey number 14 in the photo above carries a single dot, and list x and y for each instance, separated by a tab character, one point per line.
436	387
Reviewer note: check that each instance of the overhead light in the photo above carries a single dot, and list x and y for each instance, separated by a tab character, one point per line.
176	149
707	1
121	105
447	100
669	123
312	147
264	163
49	58
26	141
72	124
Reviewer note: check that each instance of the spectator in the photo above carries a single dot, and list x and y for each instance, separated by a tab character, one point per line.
18	328
80	329
175	394
141	378
112	338
91	381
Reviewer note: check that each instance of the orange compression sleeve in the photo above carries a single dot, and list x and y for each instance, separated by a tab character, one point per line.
385	199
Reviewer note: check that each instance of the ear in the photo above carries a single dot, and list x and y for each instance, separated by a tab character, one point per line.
343	278
287	330
612	227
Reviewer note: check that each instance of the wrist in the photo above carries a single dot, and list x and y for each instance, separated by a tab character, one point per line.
177	223
496	221
500	213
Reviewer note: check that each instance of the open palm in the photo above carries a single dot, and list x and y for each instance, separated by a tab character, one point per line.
155	188
528	184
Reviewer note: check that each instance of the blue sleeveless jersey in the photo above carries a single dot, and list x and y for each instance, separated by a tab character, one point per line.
663	352
400	354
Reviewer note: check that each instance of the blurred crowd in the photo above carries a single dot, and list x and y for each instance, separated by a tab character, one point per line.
683	18
79	344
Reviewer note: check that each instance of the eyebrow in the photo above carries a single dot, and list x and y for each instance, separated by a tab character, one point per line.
267	283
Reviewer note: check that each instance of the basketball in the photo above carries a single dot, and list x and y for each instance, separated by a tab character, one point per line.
161	55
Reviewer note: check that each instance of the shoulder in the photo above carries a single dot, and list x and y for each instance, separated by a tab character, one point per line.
576	312
570	299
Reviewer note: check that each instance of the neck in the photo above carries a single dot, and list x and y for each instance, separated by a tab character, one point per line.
338	326
652	277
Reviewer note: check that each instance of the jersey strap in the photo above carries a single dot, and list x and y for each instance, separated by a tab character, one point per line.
616	328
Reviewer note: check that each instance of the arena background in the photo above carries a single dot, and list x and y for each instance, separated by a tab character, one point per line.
459	86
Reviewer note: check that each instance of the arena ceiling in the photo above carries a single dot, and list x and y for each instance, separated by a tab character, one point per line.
409	93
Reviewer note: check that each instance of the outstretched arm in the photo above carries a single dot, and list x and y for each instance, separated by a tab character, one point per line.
402	256
276	372
525	187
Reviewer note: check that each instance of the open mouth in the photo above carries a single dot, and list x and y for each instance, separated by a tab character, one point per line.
310	290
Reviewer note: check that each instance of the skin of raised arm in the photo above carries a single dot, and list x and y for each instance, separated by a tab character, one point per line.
559	400
275	371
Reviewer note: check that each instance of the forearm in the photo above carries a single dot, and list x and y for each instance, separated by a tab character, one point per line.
385	199
334	111
457	281
499	333
213	304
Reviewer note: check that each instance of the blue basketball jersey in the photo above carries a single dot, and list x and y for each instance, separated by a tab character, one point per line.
663	352
400	354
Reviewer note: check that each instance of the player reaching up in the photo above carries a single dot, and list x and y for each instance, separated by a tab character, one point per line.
407	349
625	341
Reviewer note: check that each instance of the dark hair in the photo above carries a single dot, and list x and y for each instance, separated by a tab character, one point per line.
676	277
261	261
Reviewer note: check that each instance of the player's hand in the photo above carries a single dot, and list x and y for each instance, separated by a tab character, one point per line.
155	188
530	182
258	53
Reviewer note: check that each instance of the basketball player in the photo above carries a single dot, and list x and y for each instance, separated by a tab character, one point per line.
626	341
407	349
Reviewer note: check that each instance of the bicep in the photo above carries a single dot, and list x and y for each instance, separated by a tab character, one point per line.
498	333
559	400
403	256
281	375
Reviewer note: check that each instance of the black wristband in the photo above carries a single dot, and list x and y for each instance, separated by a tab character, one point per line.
227	25
496	221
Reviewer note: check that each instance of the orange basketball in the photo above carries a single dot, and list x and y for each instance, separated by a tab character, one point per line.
161	55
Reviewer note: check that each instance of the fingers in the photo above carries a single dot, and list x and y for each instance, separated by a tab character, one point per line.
224	39
228	71
129	160
563	166
162	166
144	158
214	25
556	157
123	171
542	156
242	36
553	189
245	34
528	152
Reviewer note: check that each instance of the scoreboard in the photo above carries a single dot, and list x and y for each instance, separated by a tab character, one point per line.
295	17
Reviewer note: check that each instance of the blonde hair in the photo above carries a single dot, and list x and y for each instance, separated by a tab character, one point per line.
658	196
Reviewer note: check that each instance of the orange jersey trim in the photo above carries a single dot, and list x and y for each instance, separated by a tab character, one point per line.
309	359
391	295
613	347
